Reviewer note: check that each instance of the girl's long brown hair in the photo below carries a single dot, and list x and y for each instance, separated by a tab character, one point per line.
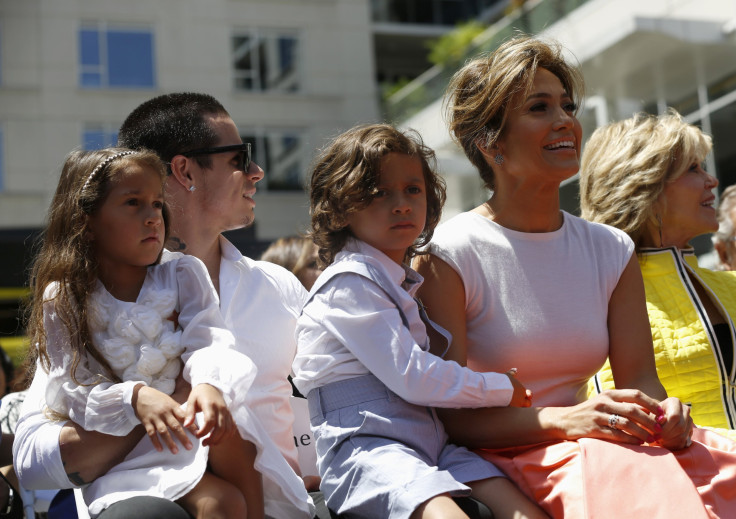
66	256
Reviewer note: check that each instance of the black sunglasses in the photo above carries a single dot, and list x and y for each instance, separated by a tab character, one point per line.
243	148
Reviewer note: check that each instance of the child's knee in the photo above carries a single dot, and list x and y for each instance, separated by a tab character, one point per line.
215	498
222	505
233	504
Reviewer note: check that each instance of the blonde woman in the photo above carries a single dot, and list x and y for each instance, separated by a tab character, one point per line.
520	283
645	176
723	239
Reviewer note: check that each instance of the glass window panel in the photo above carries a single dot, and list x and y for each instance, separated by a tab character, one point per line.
262	66
399	11
91	79
723	126
453	12
287	52
265	60
721	87
130	58
96	136
93	139
115	58
89	47
281	154
423	11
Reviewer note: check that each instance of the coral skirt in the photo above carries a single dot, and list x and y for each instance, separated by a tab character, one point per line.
596	479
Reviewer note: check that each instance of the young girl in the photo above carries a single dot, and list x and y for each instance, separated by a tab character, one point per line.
363	343
112	327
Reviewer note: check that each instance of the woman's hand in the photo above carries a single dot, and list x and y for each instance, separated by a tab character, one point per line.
160	415
522	396
674	425
623	415
217	419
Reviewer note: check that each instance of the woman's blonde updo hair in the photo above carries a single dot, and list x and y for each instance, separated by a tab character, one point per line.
626	165
480	94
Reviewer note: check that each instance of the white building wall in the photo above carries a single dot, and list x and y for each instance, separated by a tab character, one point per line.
43	110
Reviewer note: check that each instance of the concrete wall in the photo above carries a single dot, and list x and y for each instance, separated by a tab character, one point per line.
43	110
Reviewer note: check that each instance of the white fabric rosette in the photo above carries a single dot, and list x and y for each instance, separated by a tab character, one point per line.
119	352
132	374
146	320
172	369
165	385
122	326
163	301
151	360
170	344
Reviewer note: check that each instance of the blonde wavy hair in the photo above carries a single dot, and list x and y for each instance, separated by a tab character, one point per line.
482	93
344	181
725	224
626	165
725	230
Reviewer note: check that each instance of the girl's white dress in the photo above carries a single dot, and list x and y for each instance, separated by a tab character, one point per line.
175	322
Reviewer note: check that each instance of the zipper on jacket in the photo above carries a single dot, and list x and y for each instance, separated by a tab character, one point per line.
727	391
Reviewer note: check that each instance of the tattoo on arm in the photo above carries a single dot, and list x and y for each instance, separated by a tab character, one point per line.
175	244
75	478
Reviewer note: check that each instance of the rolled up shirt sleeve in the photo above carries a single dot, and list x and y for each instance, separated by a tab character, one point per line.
36	452
359	314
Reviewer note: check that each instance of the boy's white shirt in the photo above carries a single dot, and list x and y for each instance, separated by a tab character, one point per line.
351	327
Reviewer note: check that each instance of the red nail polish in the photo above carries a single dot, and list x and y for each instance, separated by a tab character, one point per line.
658	427
660	411
651	438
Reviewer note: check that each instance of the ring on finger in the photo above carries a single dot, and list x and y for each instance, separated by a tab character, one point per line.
613	421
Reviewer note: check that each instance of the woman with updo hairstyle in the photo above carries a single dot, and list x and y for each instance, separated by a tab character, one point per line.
524	285
645	176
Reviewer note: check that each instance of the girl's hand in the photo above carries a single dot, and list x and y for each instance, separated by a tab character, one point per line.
623	415
217	417
161	415
522	396
674	425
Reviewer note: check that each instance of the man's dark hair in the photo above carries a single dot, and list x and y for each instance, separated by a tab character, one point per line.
171	124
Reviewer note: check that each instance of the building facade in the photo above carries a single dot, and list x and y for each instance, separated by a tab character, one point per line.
291	74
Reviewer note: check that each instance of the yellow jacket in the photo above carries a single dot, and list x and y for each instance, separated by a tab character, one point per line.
686	350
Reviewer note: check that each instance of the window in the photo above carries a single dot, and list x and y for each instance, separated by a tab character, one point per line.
266	60
96	136
436	12
114	57
282	155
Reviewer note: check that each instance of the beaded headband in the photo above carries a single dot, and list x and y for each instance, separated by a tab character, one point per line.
104	163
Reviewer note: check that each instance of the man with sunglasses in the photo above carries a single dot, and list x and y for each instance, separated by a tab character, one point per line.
210	190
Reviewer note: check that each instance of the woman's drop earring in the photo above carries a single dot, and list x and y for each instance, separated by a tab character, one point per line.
659	221
498	159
